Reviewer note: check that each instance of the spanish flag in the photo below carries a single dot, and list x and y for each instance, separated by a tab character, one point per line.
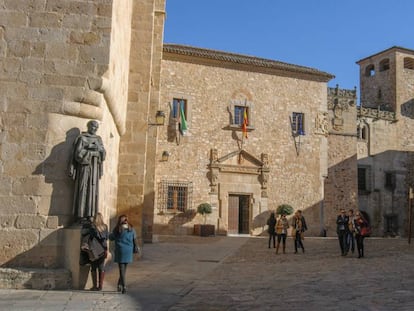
245	122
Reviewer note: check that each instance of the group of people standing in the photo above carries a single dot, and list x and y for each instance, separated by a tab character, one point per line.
278	230
124	237
351	227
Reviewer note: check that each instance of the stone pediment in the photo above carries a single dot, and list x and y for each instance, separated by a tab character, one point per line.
238	162
240	158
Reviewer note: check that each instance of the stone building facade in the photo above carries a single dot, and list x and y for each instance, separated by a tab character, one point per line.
242	178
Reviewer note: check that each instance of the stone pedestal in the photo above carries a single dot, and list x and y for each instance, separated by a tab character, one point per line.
72	238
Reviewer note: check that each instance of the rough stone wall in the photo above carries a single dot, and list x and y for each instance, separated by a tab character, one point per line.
377	90
137	147
61	64
341	181
293	179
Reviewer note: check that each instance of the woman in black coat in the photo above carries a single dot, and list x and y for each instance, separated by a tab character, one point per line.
271	222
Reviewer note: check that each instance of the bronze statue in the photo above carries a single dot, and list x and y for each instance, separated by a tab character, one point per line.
86	169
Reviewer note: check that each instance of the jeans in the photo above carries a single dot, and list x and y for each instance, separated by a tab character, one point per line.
343	241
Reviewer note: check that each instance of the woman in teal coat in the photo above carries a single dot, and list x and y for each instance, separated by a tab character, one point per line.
124	236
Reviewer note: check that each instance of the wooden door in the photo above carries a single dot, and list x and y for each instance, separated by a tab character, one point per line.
244	214
233	226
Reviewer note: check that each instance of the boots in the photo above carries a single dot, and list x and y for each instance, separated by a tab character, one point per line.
277	248
94	280
101	279
284	249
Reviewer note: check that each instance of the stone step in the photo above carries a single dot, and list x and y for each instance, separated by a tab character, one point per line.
27	278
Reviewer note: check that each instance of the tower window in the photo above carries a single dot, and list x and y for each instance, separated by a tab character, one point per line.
384	65
370	71
408	63
362	132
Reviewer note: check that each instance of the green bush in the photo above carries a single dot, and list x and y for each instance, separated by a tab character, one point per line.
284	209
204	209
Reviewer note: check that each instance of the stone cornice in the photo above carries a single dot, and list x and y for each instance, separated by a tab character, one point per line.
376	114
209	57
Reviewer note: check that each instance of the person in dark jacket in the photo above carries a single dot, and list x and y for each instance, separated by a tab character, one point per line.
271	222
360	223
299	226
124	236
342	230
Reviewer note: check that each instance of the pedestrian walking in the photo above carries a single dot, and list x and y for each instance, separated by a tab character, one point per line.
362	229
124	236
342	231
282	227
271	222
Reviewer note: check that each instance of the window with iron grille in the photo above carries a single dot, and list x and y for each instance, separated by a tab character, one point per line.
175	196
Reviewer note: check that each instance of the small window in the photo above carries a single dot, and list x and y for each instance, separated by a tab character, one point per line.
390	181
298	123
362	132
408	63
177	105
384	65
239	114
179	112
370	71
363	180
175	196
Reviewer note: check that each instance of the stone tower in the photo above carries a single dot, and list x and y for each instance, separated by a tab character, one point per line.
385	121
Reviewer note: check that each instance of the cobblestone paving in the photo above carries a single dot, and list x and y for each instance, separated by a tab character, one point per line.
255	278
225	273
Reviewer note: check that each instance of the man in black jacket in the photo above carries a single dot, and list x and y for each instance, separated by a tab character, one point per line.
342	231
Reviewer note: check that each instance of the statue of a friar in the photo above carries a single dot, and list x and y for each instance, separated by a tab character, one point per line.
86	169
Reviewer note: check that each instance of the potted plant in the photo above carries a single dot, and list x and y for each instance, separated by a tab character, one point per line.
204	229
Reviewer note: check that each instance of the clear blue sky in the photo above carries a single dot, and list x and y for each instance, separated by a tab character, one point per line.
329	35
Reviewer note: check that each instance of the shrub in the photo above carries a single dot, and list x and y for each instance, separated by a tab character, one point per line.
284	209
204	209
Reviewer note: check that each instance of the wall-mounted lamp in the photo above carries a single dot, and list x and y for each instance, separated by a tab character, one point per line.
159	118
165	156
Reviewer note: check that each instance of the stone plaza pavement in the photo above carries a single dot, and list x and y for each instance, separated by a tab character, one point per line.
241	273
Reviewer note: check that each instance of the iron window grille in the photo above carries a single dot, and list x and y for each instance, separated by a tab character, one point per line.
175	196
